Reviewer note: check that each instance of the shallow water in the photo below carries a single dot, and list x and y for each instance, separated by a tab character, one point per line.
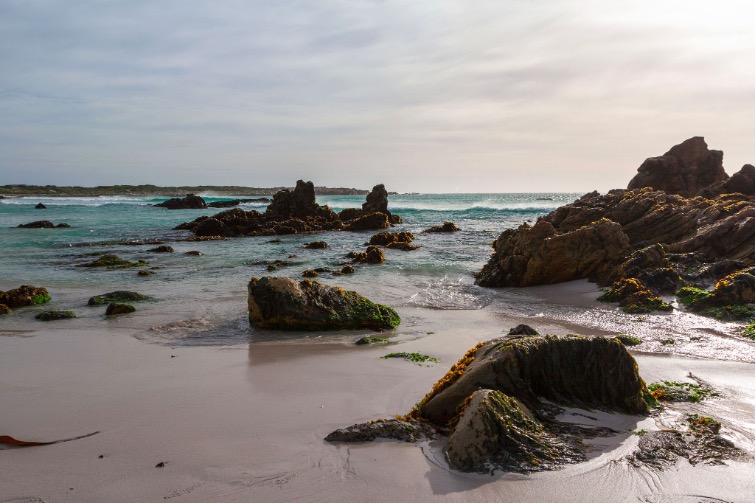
201	300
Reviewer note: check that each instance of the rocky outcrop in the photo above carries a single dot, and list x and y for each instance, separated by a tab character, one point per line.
372	255
236	202
492	402
26	295
191	201
399	241
40	206
687	169
290	212
740	182
118	309
377	201
285	303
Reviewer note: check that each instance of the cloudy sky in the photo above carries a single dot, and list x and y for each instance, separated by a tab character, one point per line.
427	96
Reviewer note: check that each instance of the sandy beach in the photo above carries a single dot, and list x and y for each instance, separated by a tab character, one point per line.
246	422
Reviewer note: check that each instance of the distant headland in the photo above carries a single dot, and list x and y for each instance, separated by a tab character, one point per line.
153	190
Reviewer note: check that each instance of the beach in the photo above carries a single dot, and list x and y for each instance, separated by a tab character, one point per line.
189	403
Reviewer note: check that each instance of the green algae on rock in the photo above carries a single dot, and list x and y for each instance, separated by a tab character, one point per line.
25	295
119	309
285	303
634	297
412	357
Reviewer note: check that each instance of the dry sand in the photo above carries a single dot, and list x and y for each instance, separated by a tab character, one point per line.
246	423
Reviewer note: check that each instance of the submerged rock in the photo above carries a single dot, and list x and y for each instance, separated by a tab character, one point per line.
372	255
409	431
117	297
112	261
446	227
43	224
491	401
40	206
522	330
285	303
316	245
162	249
47	316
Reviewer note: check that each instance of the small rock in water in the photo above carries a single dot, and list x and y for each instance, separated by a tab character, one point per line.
523	330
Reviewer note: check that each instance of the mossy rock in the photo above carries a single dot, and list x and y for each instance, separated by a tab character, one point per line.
628	340
25	295
119	309
747	331
415	357
284	303
47	316
731	299
144	273
117	297
5	310
112	261
634	297
368	340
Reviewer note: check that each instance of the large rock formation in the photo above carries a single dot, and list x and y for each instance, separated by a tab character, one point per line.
686	169
491	403
191	201
645	241
291	212
285	303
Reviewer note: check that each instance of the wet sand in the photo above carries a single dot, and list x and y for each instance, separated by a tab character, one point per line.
247	422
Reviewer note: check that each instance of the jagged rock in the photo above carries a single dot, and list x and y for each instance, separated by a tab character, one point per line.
236	202
372	255
446	227
40	206
43	224
117	297
634	297
375	220
347	270
298	203
376	200
284	303
5	309
191	201
310	274
539	255
522	330
210	227
25	295
47	316
162	249
119	309
740	182
686	169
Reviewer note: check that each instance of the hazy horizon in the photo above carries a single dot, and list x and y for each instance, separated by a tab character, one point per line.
425	96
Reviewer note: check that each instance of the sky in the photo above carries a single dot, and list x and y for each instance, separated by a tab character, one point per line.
422	96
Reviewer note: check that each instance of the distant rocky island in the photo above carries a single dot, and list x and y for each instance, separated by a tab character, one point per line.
153	190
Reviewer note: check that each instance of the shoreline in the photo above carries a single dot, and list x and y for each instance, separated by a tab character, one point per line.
246	422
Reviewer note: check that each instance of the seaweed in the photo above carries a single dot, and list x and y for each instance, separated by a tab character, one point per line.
413	357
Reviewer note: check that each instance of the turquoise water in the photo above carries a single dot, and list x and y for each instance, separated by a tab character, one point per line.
201	300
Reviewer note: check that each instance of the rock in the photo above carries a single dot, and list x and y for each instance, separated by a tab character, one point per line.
497	430
4	309
191	201
284	303
403	430
573	370
25	295
446	227
349	214
347	270
40	206
372	255
387	238
63	225
211	227
539	255
375	220
144	273
111	261
367	340
316	245
740	182
492	402
43	224
162	249
47	316
376	200
522	330
193	253
686	169
298	203
224	204
731	298
634	297
117	297
119	309
310	274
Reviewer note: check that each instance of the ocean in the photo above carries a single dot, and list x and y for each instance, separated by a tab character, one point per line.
201	300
